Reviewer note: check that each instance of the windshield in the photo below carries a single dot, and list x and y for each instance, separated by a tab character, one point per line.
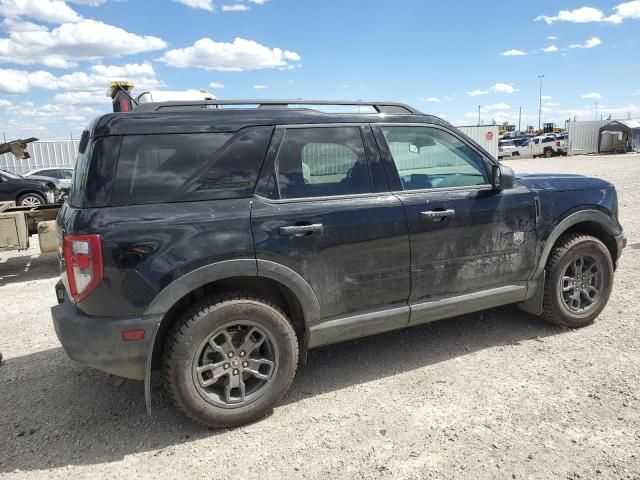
10	175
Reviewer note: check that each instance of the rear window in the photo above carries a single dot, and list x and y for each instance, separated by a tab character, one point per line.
183	167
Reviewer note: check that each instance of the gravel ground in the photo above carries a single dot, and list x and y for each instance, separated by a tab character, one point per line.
497	394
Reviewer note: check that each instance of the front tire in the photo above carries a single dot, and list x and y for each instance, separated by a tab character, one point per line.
30	200
548	153
578	282
228	360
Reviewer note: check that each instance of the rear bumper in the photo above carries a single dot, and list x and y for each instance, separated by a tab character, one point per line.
97	341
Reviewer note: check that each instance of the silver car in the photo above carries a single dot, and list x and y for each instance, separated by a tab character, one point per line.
63	174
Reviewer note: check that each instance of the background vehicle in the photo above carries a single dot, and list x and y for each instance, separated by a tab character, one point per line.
27	191
63	174
541	146
506	149
561	143
228	241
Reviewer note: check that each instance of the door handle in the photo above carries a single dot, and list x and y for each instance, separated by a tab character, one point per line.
301	230
438	215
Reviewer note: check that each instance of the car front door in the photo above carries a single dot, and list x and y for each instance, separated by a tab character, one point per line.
468	240
324	210
7	189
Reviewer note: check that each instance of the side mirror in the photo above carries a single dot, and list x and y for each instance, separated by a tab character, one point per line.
502	177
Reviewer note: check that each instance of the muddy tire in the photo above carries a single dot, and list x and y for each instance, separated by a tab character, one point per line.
229	359
579	278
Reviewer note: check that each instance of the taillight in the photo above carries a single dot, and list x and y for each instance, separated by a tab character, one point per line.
558	143
83	259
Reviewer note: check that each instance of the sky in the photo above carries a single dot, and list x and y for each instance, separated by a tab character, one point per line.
444	58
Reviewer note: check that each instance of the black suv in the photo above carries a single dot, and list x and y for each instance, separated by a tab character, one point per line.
27	192
218	244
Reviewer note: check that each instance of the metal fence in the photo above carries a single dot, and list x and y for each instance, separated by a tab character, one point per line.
54	153
583	136
484	135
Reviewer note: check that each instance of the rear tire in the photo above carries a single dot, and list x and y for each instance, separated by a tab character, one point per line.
229	359
578	282
30	200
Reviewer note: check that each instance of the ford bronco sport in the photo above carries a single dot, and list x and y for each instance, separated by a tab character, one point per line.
218	244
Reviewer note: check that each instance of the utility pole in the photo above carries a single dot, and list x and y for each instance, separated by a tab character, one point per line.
596	110
519	119
540	103
479	123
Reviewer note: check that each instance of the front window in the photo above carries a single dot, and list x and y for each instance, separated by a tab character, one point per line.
432	158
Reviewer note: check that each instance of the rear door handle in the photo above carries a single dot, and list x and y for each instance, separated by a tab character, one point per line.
301	230
437	215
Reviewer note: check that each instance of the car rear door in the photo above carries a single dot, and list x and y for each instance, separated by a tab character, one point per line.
467	239
324	210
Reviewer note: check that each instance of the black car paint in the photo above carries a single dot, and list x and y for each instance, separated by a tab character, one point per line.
11	189
373	264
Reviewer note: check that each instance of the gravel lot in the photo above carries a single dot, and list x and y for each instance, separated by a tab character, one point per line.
497	394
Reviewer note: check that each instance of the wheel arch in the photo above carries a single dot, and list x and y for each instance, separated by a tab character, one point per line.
590	221
31	191
272	280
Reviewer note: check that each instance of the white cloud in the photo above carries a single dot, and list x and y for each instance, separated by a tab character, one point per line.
50	11
546	97
241	55
550	49
513	53
432	99
20	81
637	92
552	37
552	104
258	2
259	87
590	43
216	85
4	103
82	98
579	15
96	80
497	88
201	4
592	96
497	106
236	7
623	11
63	46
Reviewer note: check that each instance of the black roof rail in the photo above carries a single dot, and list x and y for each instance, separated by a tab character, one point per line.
380	107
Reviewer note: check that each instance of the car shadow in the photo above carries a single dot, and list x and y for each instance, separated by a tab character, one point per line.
58	413
28	267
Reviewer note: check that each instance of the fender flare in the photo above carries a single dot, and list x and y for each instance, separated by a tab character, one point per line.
201	276
590	215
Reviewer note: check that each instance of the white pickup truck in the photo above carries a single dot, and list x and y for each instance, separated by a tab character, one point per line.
543	146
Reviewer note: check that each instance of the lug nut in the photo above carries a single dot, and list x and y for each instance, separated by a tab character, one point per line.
242	354
235	372
226	365
245	364
230	354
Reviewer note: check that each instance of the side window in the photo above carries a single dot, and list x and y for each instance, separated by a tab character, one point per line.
152	168
66	174
432	158
322	161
